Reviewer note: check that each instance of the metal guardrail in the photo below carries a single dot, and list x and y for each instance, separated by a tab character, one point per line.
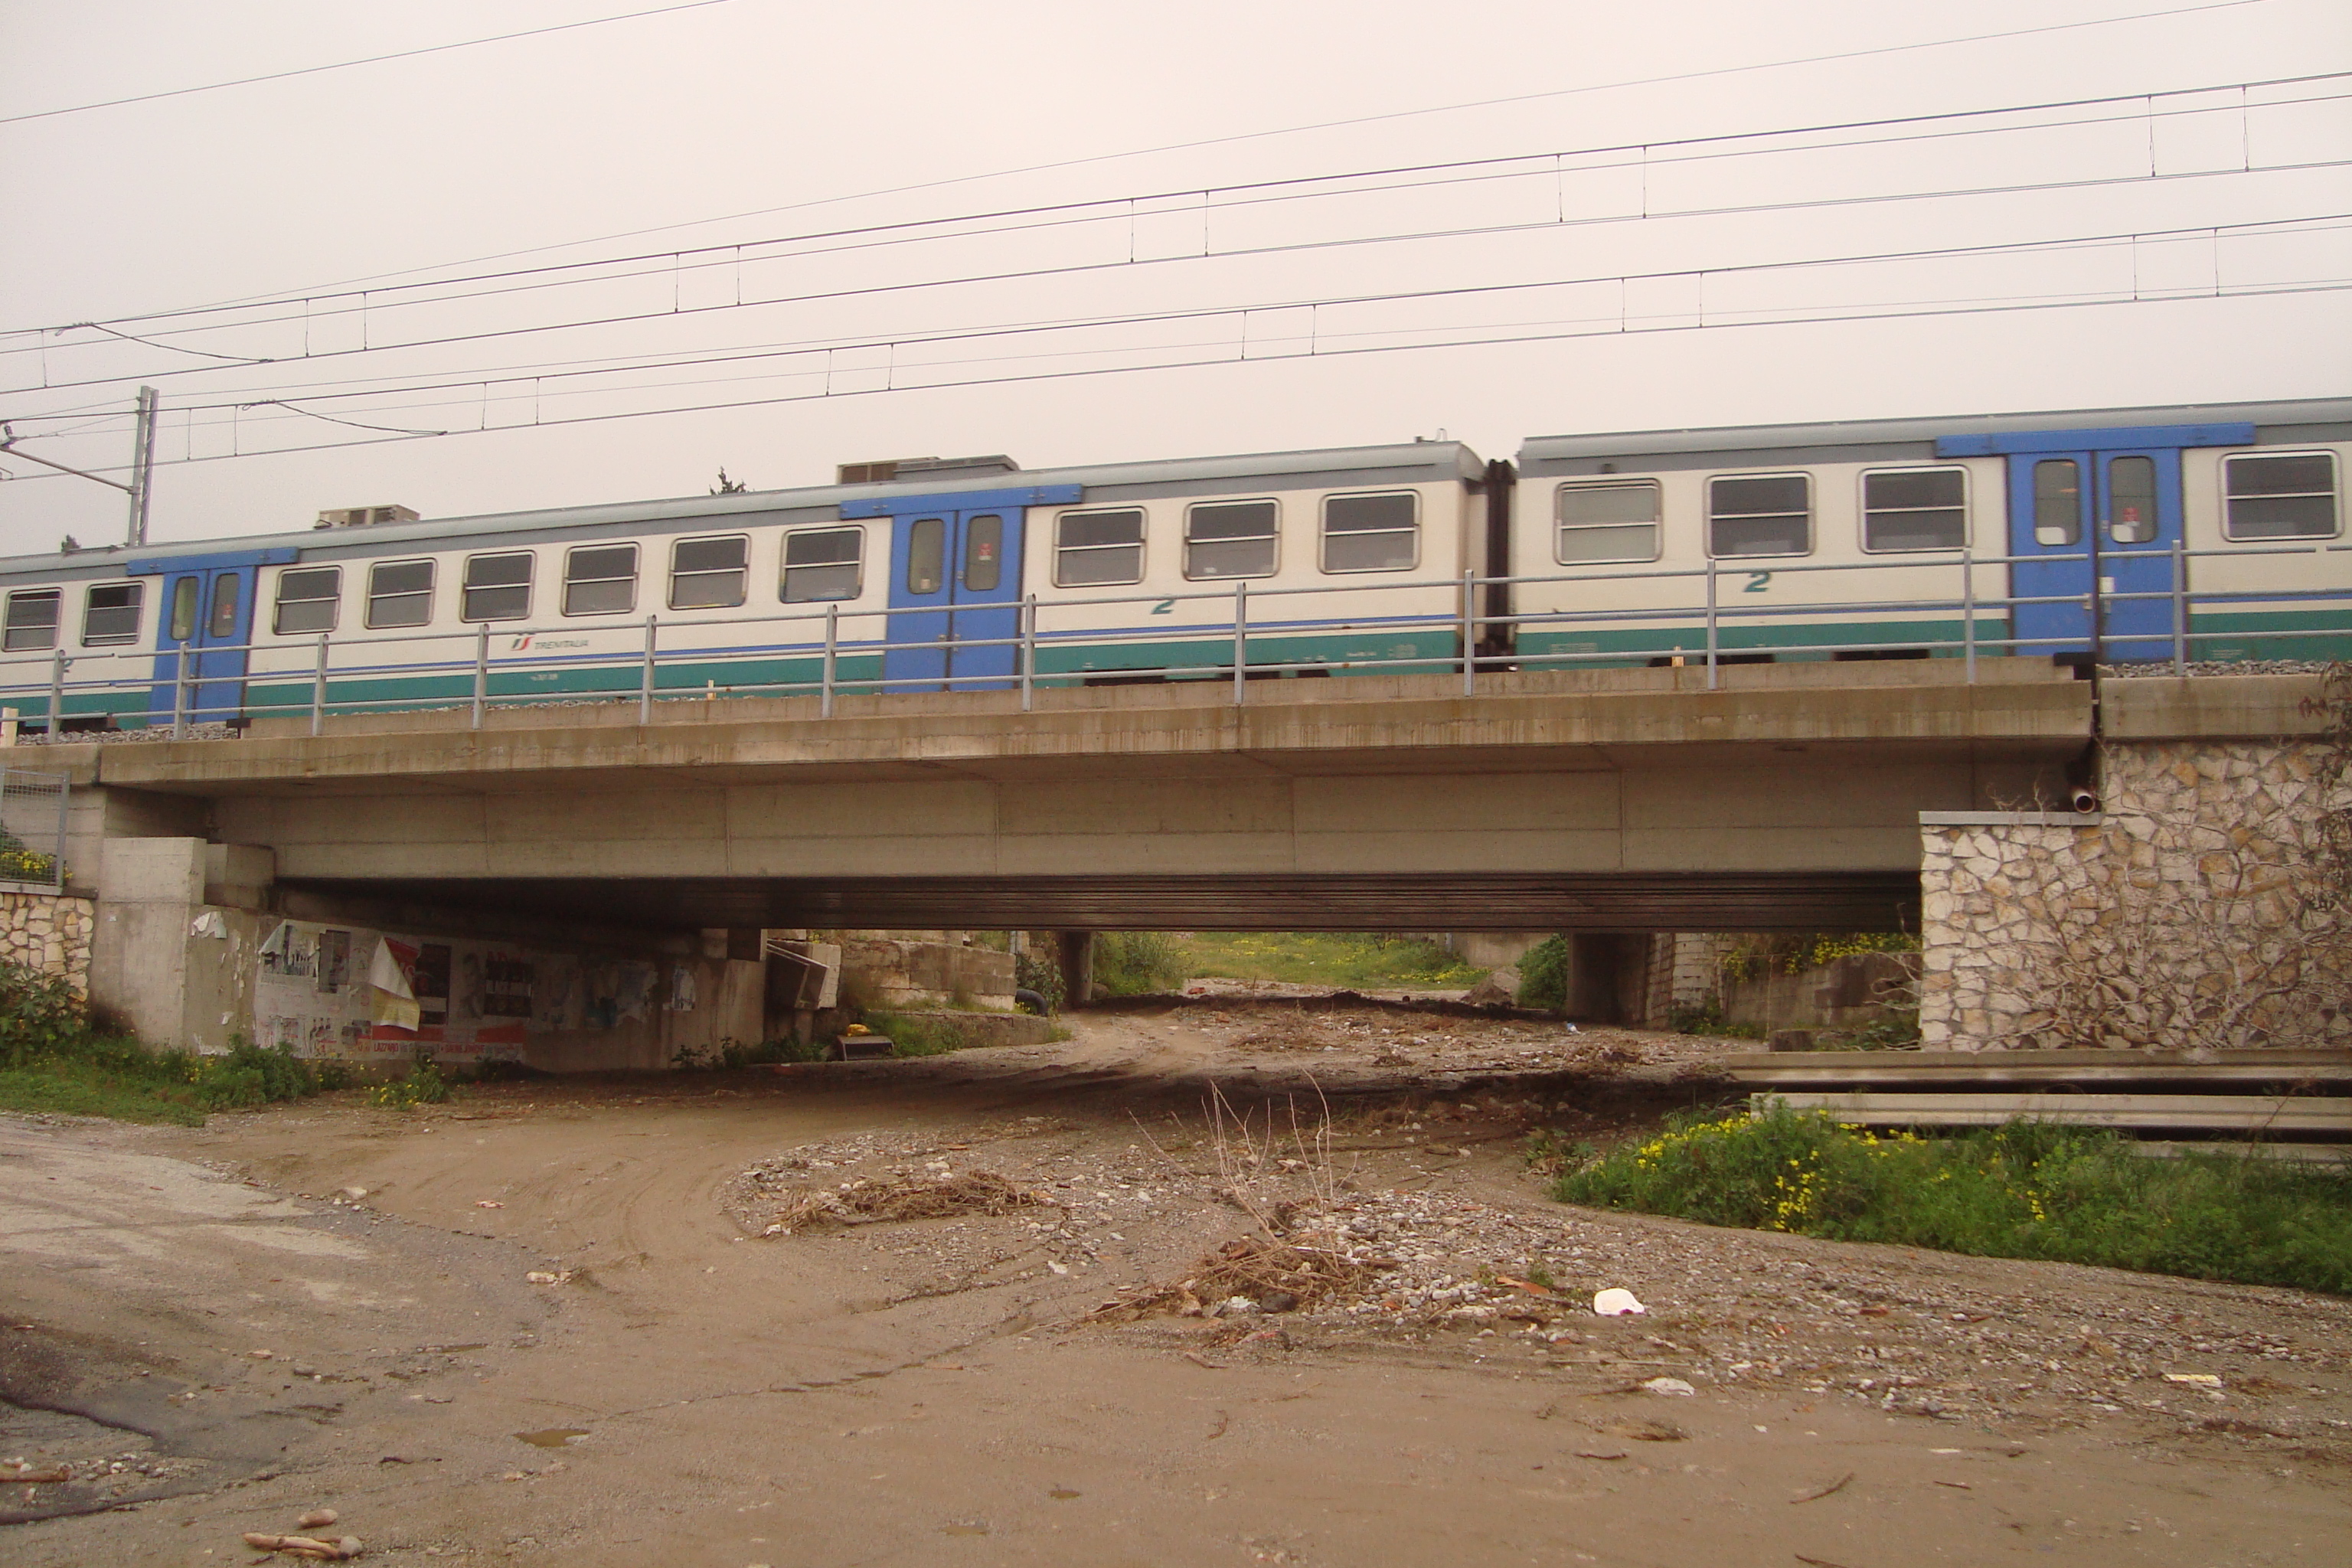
33	827
831	638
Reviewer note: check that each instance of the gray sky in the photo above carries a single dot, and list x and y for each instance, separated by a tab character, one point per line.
534	151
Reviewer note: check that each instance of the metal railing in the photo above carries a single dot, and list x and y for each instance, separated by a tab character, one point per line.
33	827
834	650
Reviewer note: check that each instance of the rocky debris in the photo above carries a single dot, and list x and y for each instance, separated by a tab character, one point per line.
881	1200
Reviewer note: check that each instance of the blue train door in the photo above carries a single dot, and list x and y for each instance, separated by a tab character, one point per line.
2094	516
955	576
205	608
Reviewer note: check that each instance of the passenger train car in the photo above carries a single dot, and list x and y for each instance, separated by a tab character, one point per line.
2207	534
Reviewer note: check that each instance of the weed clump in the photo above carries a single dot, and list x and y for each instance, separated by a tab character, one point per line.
424	1085
2028	1189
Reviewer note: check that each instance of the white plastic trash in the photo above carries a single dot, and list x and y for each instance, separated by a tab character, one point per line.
1617	1302
1670	1385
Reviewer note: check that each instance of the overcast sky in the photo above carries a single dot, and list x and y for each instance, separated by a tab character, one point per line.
1310	312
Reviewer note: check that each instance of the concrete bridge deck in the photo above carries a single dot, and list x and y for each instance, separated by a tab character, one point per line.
1789	797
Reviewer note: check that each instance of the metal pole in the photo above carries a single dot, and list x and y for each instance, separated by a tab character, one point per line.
1968	610
58	694
1469	632
318	690
832	627
1710	624
179	692
481	671
58	853
1028	648
1241	643
645	685
142	466
2179	606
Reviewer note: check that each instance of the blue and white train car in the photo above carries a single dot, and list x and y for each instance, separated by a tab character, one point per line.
2127	534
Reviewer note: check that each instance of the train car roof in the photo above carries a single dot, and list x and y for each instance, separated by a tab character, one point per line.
1412	462
1792	442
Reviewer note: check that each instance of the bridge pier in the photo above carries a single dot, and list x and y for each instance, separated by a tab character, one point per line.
1077	956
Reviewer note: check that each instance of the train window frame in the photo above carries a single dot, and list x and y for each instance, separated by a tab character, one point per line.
468	590
2334	493
785	567
1864	513
186	592
280	602
581	585
22	632
1273	538
134	600
1324	532
1656	525
740	572
378	595
1064	550
1715	517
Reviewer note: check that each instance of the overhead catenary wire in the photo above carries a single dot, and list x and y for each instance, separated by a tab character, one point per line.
1582	89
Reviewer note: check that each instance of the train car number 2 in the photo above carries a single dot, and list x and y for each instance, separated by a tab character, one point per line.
1757	582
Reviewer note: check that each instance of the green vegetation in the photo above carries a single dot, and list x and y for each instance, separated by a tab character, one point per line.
1543	973
2025	1190
1035	969
1707	1018
1140	963
1322	958
422	1086
913	1036
51	1059
1795	954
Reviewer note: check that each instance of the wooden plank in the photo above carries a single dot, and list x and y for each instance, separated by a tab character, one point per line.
2277	1114
1926	1070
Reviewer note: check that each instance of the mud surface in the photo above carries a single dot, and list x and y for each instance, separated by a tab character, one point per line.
1243	1280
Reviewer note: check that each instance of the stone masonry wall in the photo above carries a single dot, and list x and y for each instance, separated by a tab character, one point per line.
2189	914
50	932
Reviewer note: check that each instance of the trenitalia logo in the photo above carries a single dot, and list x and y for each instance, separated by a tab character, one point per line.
530	640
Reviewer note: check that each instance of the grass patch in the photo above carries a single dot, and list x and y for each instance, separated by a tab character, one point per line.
913	1037
1324	958
51	1060
2025	1190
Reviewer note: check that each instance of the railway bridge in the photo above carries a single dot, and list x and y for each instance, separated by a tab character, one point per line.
1758	798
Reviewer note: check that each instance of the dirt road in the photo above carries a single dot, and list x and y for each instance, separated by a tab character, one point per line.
327	1305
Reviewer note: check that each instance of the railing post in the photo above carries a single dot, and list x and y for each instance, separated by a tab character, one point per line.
1710	624
1469	631
179	694
1968	610
646	682
58	694
2179	606
832	629
1028	648
481	671
318	690
1241	643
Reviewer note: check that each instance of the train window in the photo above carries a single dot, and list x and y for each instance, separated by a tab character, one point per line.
400	594
2292	496
1096	547
983	553
2057	502
32	620
1230	539
927	554
497	587
111	614
222	622
183	609
1914	508
306	600
824	564
709	573
600	580
1607	522
1767	515
1371	533
2131	500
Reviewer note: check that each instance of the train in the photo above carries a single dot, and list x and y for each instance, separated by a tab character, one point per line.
2185	534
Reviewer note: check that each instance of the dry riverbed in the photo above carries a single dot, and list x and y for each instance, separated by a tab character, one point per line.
1244	1278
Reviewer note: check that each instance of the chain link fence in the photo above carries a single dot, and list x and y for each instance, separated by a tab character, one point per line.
33	828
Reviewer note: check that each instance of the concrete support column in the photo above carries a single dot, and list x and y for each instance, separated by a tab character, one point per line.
150	892
1078	967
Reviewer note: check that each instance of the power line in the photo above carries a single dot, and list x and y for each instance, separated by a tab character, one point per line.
347	65
1262	135
1663	152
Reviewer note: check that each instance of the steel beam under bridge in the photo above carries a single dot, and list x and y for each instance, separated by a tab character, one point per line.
1449	901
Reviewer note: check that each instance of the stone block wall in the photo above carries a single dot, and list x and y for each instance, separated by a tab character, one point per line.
50	932
2192	913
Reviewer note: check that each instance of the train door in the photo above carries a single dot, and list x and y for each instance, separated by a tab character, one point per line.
202	635
955	577
2092	529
